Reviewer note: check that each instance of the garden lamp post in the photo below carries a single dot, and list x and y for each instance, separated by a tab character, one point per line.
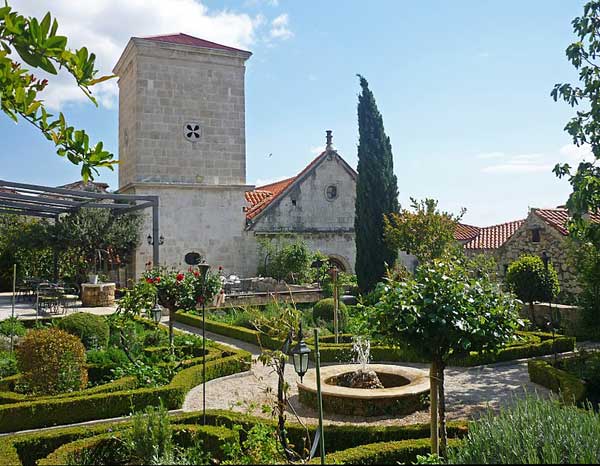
553	321
156	312
203	269
300	354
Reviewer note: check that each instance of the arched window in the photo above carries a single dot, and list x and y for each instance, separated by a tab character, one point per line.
337	263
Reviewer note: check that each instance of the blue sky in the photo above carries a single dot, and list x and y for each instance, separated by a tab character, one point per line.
464	89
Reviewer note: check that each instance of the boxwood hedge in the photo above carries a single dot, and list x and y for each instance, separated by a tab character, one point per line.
66	410
27	449
533	344
570	388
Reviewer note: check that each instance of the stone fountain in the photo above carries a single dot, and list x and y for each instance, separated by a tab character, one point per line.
365	389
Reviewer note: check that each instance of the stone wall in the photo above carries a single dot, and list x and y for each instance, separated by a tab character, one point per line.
206	220
324	224
162	87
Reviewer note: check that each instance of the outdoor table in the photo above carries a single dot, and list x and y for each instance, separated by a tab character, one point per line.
99	294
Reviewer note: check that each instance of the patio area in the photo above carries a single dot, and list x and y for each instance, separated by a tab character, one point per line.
26	310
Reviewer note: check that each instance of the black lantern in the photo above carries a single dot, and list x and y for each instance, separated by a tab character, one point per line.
156	313
300	354
150	240
317	264
203	269
545	259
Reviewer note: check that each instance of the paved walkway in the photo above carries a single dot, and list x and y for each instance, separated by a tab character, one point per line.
26	310
469	391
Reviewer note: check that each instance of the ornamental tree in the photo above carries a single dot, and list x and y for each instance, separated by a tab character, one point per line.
443	311
36	43
425	232
376	192
528	278
584	128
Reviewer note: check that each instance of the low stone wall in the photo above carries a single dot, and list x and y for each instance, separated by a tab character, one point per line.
261	298
570	316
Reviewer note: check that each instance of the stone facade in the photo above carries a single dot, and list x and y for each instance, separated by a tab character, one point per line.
547	238
306	210
182	137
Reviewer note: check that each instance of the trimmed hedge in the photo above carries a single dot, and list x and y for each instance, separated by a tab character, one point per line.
398	452
124	383
91	329
56	411
535	344
570	388
26	449
213	438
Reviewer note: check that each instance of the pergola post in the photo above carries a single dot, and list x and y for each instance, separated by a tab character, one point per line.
55	254
155	234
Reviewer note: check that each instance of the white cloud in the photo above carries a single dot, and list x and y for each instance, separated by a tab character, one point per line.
516	167
316	150
105	26
280	27
491	155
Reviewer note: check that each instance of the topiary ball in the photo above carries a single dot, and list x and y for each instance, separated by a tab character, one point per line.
323	310
51	361
93	330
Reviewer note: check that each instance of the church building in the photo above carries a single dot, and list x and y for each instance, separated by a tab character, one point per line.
182	137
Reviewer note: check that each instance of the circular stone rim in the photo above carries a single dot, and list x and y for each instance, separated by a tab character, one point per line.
418	382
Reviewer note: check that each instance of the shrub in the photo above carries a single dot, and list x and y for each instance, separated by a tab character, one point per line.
93	330
150	436
52	361
532	431
528	279
323	310
8	364
12	326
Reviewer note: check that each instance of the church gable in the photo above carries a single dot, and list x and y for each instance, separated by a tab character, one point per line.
320	199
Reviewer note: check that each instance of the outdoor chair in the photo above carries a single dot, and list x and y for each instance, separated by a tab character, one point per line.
48	298
69	297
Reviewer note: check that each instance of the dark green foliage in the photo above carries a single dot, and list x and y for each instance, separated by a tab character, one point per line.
323	310
376	192
92	329
12	326
532	431
586	259
570	388
584	128
528	279
285	259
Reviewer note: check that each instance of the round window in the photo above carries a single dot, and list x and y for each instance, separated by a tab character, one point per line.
331	193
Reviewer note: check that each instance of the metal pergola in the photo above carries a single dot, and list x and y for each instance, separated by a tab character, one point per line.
47	202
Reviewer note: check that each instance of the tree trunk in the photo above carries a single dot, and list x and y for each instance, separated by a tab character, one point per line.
433	407
532	312
442	412
281	407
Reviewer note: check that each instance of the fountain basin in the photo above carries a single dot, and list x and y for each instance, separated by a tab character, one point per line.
406	391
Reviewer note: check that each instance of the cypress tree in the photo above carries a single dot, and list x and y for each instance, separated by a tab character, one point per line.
376	192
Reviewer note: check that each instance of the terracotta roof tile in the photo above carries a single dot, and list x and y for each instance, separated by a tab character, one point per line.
185	39
495	236
465	232
557	218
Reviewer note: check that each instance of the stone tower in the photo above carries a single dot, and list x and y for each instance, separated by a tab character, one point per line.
182	137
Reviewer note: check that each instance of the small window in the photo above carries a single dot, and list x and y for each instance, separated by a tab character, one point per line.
294	202
535	235
331	192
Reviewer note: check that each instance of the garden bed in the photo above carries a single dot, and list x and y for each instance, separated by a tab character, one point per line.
47	447
530	344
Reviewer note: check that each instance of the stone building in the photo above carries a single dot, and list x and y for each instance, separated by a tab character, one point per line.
182	137
542	230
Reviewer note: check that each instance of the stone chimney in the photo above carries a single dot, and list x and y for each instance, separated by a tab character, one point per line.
329	146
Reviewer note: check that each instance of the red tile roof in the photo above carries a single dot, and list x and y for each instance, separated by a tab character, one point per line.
185	39
260	198
495	236
557	218
465	232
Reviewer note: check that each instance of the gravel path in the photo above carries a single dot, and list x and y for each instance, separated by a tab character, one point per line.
469	391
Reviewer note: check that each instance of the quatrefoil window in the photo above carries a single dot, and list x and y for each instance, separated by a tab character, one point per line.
192	131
